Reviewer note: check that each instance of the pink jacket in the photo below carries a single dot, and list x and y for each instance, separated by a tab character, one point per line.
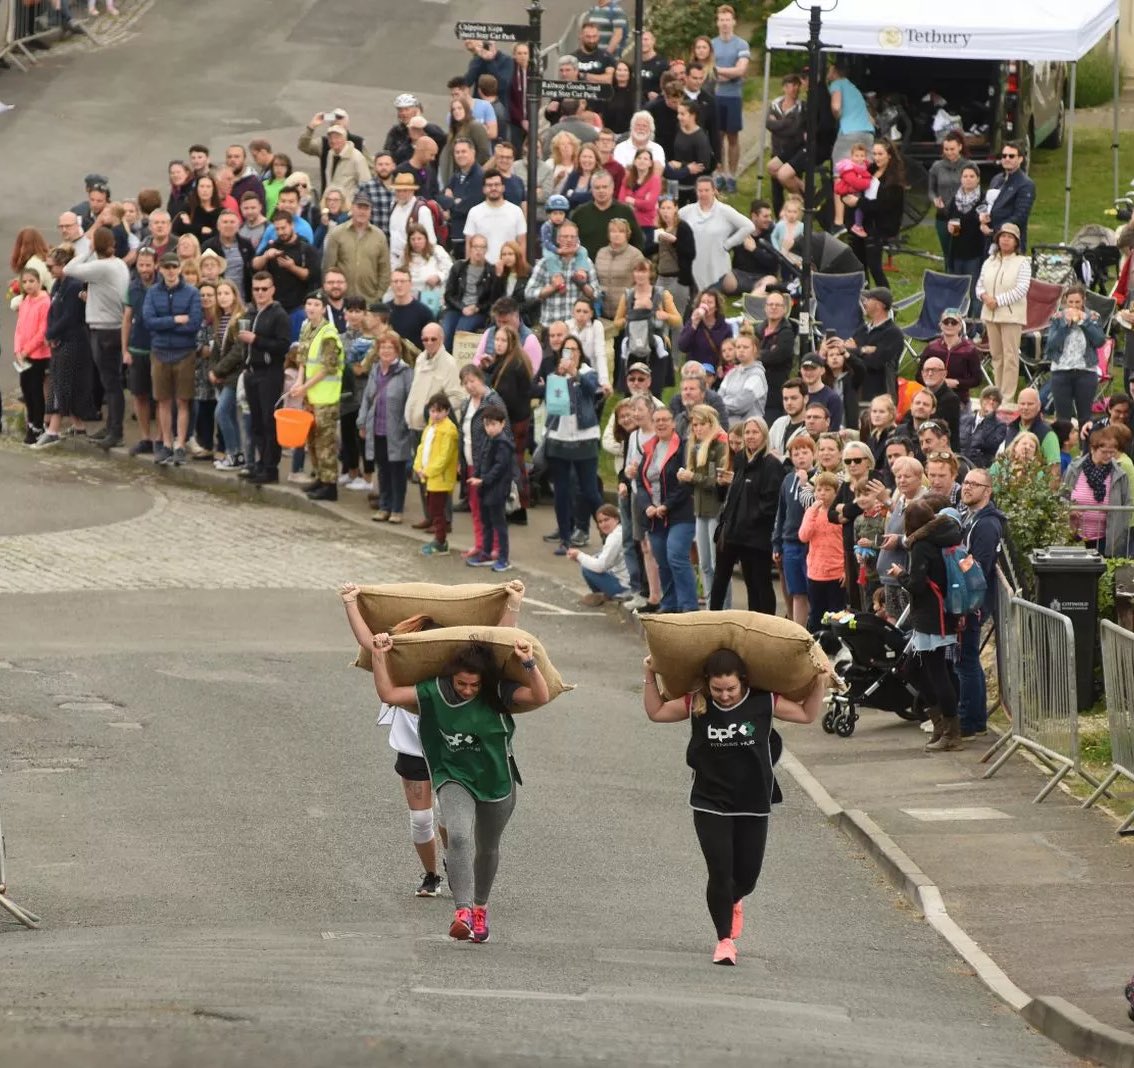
31	328
825	560
645	200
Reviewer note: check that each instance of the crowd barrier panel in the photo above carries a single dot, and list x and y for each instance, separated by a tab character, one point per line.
1118	684
1040	668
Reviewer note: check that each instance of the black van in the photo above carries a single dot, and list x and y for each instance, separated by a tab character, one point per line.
997	101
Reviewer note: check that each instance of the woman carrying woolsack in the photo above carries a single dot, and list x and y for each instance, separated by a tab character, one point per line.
732	750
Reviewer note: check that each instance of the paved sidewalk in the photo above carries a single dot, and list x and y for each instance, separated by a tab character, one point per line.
1045	890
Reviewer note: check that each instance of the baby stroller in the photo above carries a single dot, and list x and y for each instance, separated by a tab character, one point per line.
869	654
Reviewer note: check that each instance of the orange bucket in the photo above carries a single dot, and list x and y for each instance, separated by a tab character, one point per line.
293	425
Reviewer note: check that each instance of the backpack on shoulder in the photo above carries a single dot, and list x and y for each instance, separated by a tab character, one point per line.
440	226
965	585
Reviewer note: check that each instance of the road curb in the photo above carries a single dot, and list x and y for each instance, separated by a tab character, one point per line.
1056	1018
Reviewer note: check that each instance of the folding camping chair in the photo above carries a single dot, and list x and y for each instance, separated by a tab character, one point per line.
1104	307
753	307
836	303
1043	303
939	291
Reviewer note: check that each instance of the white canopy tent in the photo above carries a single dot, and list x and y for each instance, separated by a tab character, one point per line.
1030	30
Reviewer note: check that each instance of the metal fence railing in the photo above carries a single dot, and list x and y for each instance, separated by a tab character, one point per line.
1040	669
23	23
1005	679
1118	683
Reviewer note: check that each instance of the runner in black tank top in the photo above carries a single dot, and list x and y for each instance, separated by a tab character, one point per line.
732	751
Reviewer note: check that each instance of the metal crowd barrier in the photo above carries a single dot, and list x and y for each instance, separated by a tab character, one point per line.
20	24
1040	662
1005	676
1118	680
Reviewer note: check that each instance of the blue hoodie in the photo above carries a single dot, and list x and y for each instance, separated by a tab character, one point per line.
795	499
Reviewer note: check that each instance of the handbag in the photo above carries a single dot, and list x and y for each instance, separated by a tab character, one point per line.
557	396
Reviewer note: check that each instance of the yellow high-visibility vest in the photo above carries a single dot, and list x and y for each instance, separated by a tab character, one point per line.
330	388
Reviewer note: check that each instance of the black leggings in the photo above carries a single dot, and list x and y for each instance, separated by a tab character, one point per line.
937	682
734	854
755	566
31	385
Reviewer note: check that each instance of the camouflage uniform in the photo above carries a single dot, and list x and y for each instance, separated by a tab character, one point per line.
323	441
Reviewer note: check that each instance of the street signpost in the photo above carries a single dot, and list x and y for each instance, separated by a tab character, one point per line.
515	33
576	90
497	32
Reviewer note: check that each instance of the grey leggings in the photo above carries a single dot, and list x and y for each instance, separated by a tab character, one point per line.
474	827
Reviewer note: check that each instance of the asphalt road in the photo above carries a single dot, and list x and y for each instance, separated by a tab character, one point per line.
195	797
197	802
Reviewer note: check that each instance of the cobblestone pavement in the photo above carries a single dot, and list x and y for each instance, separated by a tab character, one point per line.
191	539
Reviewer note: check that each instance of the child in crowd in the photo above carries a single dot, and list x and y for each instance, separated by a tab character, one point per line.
789	229
293	363
878	606
605	574
436	465
728	355
826	575
494	478
557	207
852	178
1065	432
868	530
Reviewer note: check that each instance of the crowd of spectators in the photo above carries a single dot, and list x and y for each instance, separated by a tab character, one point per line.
389	293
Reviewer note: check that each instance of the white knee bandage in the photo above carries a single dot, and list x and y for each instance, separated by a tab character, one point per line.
421	826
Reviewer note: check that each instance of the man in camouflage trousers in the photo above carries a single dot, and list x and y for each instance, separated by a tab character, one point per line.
321	386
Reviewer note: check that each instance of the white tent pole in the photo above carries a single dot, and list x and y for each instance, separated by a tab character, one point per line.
764	127
1117	93
1070	157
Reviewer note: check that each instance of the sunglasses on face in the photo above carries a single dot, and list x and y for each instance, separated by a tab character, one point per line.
1009	155
855	460
950	322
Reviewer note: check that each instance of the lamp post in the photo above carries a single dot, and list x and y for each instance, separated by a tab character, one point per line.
815	49
639	24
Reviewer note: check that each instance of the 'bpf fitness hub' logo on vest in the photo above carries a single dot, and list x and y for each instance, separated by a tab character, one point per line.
724	734
893	37
459	741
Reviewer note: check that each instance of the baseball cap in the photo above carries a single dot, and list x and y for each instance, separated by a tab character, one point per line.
880	294
92	181
952	313
558	202
362	198
406	100
379	307
336	129
639	368
170	259
812	359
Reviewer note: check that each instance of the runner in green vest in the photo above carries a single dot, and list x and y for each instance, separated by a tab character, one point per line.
321	384
466	735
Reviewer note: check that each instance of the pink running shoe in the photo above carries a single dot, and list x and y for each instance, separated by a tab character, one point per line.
725	953
737	920
462	924
480	923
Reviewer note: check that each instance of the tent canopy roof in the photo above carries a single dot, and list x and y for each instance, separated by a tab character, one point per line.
1031	30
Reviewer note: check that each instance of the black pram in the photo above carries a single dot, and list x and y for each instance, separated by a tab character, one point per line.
877	672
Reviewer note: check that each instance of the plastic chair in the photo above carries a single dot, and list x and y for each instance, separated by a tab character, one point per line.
837	301
1043	303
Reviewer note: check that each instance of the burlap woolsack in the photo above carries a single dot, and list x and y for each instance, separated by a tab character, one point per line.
473	604
421	656
781	656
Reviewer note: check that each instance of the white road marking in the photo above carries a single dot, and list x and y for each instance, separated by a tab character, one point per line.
949	815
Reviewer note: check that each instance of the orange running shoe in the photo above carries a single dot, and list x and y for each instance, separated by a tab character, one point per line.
725	952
